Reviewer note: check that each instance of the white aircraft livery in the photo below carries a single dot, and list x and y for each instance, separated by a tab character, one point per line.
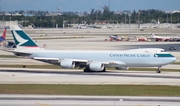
90	60
160	38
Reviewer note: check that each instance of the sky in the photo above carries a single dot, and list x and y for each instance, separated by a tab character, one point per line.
87	5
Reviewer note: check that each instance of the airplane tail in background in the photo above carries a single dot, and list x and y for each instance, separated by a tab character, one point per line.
22	39
3	37
4	34
153	35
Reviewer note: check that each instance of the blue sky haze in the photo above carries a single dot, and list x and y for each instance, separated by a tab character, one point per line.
87	5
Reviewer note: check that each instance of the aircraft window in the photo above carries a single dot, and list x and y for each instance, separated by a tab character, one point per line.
163	51
163	55
155	55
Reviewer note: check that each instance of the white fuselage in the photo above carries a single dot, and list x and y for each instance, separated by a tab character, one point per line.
131	59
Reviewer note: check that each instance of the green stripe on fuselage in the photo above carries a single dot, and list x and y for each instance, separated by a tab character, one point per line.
164	55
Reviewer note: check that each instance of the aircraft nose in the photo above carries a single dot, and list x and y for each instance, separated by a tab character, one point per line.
169	60
174	59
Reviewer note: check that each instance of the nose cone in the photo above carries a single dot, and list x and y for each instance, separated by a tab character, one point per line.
169	60
173	59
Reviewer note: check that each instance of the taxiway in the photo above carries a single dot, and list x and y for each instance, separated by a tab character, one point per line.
64	76
46	100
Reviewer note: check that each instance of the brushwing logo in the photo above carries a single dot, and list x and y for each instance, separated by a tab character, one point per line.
19	38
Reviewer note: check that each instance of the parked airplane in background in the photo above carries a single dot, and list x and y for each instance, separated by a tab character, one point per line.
175	39
150	50
159	38
91	60
114	38
81	26
5	43
3	37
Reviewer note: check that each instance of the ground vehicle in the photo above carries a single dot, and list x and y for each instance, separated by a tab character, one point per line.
172	48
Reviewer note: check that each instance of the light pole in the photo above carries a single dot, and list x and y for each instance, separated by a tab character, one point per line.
10	21
138	20
1	14
129	22
167	24
22	21
3	17
171	20
109	4
25	16
0	11
63	22
125	21
167	19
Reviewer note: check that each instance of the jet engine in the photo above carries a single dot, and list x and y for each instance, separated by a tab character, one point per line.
122	68
96	66
67	64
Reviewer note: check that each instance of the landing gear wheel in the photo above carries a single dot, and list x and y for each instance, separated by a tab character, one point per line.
104	70
87	69
158	71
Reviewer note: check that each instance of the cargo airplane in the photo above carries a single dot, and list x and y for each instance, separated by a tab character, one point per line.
90	60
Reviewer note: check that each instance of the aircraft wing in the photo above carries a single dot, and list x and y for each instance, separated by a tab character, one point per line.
112	62
58	59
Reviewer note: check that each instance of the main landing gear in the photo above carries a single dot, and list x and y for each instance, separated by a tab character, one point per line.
158	70
87	69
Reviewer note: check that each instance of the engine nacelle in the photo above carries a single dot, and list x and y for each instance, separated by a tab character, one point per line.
122	68
96	66
67	64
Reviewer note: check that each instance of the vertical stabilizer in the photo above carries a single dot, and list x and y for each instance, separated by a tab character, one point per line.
3	37
22	39
4	34
153	35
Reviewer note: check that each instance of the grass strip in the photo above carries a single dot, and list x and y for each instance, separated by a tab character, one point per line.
154	69
107	90
58	67
8	56
176	63
32	66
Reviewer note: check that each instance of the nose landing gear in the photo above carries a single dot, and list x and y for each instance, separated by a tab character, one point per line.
158	70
